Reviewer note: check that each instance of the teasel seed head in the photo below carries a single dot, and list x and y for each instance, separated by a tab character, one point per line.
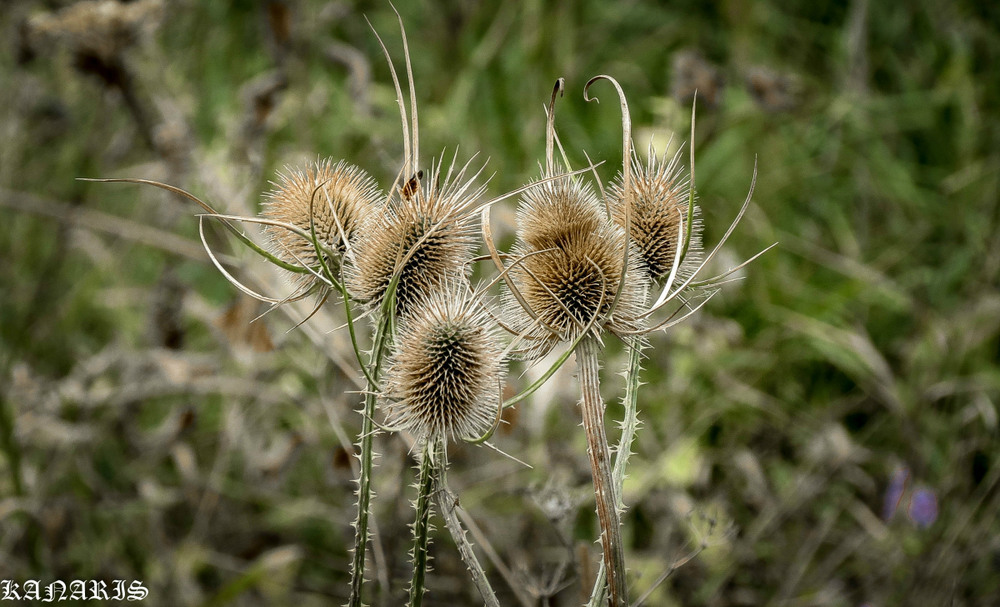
337	197
570	268
659	215
425	234
443	375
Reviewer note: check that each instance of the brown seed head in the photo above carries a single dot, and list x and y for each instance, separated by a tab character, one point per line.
444	371
425	235
572	269
659	209
345	198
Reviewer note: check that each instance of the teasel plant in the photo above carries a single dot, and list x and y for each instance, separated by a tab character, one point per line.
442	384
310	221
584	269
410	262
407	263
333	231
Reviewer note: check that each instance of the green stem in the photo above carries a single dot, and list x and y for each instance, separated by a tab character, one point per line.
421	525
630	424
600	469
367	455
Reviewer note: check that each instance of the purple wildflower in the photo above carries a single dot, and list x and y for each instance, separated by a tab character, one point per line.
923	508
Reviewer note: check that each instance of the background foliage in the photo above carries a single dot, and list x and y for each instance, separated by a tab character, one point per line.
150	432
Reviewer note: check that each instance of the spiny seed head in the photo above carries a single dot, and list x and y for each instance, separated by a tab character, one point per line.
572	269
444	370
425	234
339	198
659	197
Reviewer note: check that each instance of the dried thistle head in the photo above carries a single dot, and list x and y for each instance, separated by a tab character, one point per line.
335	199
643	200
423	237
575	270
570	269
659	215
443	375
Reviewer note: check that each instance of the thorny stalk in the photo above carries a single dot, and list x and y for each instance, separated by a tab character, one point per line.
361	532
600	468
431	456
448	505
630	423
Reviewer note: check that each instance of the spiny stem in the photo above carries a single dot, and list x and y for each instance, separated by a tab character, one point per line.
448	505
600	469
630	424
421	524
367	455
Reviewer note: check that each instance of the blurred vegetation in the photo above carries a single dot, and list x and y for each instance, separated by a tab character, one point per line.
150	432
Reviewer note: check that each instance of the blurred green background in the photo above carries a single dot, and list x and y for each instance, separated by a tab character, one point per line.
150	432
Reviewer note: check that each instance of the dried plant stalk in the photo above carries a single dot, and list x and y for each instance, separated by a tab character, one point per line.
630	424
600	469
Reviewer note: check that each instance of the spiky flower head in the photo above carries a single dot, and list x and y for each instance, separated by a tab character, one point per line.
659	215
335	197
442	379
423	237
570	268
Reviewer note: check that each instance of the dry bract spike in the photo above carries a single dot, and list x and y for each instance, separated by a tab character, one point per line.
443	374
337	198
